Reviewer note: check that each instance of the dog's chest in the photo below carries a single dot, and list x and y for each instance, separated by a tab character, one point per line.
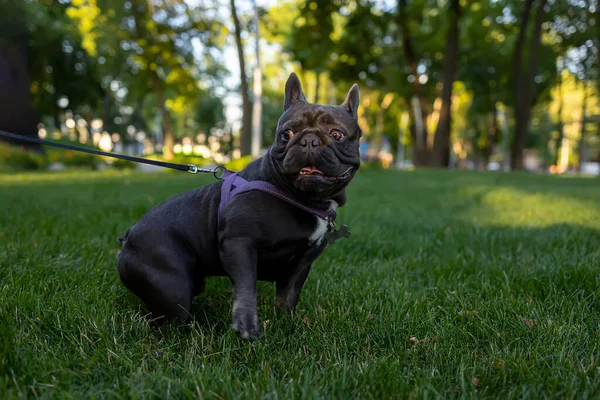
318	235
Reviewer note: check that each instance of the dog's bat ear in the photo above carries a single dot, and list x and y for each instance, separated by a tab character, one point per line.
352	100
293	91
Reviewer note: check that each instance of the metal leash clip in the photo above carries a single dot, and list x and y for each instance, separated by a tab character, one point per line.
192	169
217	171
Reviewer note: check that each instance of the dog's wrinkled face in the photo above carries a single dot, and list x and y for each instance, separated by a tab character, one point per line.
317	146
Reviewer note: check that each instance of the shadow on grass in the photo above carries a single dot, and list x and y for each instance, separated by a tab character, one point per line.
482	263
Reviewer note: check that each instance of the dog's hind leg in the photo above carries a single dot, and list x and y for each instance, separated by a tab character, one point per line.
167	293
169	296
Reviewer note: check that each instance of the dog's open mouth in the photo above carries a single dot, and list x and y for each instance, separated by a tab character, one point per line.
311	171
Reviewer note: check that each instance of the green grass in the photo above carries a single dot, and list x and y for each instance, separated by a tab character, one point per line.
448	276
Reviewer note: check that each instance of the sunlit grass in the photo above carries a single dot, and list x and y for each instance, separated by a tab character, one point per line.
452	284
536	208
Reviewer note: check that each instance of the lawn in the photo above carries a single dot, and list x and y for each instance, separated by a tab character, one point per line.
453	284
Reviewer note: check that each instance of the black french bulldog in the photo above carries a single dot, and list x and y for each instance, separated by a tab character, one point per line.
167	255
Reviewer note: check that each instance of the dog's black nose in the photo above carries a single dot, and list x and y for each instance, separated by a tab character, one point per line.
312	139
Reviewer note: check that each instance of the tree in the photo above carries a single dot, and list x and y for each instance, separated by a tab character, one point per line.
257	102
310	40
420	108
441	144
48	65
485	71
574	31
559	124
588	71
582	133
145	52
16	113
246	133
524	83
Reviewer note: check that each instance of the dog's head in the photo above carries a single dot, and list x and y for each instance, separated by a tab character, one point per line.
316	147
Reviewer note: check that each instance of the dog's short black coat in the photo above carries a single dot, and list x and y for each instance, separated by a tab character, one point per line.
167	255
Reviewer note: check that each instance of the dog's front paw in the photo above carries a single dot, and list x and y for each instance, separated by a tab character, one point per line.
245	323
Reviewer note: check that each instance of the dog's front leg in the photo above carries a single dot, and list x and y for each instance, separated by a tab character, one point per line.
239	257
288	288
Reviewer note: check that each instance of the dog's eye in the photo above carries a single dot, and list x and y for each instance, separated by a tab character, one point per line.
287	135
337	135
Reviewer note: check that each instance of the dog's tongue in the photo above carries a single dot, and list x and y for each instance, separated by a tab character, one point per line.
310	171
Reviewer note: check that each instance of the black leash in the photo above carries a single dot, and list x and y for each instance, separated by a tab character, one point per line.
219	172
191	168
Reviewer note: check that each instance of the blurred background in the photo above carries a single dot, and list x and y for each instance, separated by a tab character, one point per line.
489	85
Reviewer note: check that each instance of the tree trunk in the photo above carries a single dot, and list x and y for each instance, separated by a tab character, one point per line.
141	28
16	113
425	151
516	160
419	109
168	139
246	133
378	134
560	125
106	102
56	113
524	87
317	84
441	143
492	136
331	92
418	132
581	147
257	92
480	151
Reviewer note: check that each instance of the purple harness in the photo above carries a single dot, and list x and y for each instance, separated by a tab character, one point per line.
233	184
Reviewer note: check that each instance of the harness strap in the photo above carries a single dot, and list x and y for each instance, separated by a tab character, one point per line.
233	184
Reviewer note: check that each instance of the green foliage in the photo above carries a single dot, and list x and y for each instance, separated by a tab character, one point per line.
183	159
123	164
486	56
378	44
59	65
78	159
446	277
239	163
159	66
272	110
121	61
209	112
360	53
156	65
20	158
310	40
